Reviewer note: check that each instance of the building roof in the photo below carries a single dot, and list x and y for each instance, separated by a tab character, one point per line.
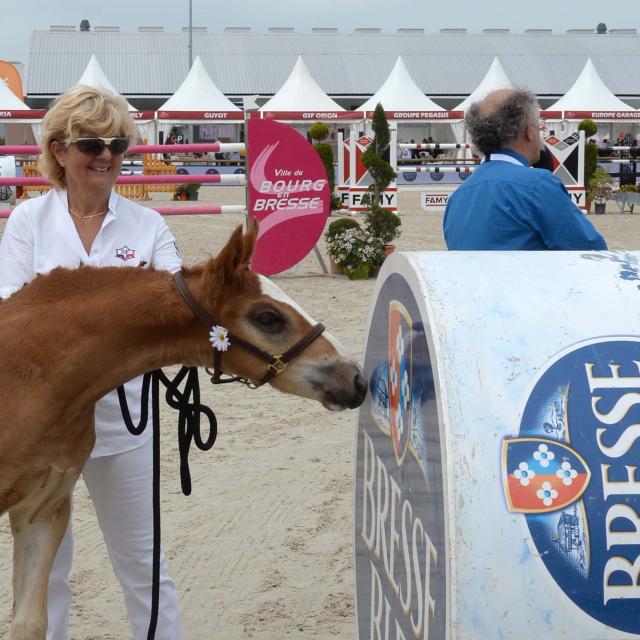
354	65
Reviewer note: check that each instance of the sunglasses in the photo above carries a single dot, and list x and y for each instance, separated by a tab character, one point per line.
95	146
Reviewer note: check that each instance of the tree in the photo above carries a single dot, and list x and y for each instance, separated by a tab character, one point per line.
375	158
590	129
319	132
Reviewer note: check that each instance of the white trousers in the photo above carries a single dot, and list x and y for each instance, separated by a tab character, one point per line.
121	491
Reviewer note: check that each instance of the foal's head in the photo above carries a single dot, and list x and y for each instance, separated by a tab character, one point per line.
252	308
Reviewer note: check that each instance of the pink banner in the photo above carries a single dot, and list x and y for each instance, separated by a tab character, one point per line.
288	194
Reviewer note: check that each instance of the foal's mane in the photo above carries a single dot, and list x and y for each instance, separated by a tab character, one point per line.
84	282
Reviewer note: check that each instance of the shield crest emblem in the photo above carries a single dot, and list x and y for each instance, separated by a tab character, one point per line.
400	373
542	475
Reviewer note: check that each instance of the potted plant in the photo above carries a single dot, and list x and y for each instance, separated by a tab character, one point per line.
192	190
600	188
383	225
181	192
355	250
333	231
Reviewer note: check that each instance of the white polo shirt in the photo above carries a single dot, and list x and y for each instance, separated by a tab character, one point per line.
40	235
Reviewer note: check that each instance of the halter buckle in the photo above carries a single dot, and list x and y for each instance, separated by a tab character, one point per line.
277	366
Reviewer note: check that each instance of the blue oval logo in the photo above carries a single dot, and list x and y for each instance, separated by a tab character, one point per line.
572	471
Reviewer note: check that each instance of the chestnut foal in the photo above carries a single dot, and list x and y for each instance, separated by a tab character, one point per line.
69	337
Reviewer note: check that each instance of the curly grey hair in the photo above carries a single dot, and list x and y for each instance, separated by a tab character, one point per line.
494	129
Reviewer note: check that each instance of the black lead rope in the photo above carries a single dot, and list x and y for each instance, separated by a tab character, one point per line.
189	413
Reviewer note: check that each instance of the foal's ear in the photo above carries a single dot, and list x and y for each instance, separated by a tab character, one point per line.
237	253
249	240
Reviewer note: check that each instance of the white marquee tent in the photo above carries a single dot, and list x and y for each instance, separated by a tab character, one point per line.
496	78
94	76
406	104
198	101
589	97
20	122
399	92
300	93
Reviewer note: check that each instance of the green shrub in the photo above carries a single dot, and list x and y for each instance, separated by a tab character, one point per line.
336	227
382	224
336	202
629	188
326	155
590	161
319	131
600	186
589	127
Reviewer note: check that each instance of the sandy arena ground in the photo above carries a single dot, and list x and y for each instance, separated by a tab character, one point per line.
263	547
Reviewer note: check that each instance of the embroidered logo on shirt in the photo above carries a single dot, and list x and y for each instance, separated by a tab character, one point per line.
124	253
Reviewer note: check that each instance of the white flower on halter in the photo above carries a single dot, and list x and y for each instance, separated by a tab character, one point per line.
219	338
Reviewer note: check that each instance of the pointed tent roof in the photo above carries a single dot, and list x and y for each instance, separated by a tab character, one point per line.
300	92
13	110
9	101
589	93
198	93
399	92
94	76
495	78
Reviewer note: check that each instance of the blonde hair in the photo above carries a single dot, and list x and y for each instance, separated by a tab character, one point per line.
82	109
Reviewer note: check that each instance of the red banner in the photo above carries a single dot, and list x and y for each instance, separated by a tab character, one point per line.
421	115
142	115
311	116
602	115
200	115
22	114
288	194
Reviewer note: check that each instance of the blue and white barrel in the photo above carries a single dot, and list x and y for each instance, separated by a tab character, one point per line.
497	487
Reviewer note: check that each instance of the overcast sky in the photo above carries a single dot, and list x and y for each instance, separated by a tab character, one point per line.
20	19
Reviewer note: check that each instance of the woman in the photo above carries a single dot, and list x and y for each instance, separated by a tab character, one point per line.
83	221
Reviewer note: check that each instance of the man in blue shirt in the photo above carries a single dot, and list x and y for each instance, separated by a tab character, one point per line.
505	204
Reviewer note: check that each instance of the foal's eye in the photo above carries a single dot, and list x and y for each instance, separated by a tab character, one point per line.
268	319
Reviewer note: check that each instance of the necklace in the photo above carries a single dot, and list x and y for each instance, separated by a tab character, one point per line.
93	215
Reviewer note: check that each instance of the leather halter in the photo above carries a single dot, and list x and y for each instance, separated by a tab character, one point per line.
276	364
